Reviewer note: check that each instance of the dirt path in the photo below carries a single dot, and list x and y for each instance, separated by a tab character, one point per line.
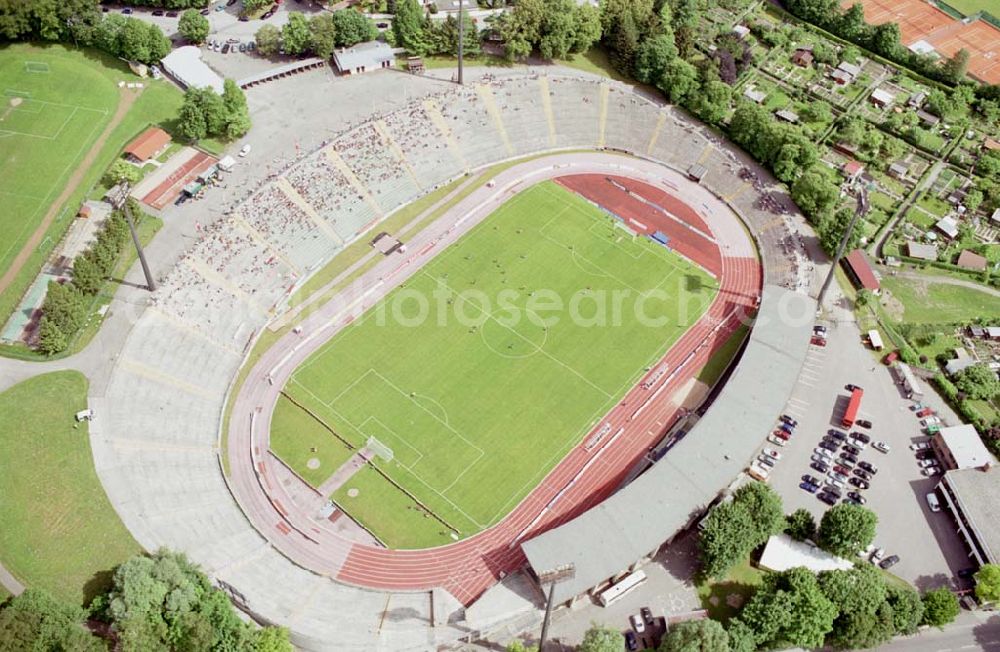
948	280
125	100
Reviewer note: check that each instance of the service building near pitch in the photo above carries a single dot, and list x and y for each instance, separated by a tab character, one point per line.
971	490
364	57
611	540
185	65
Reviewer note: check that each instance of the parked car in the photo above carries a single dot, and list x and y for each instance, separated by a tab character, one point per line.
815	340
829	446
851	387
647	615
822	452
631	642
931	471
920	446
877	555
789	420
932	502
928	463
835	482
868	466
925	412
840	468
766	461
810	487
127	10
881	446
836	434
204	12
158	12
245	150
863	475
828	498
822	467
860	436
171	14
781	434
774	440
853	450
925	455
839	477
770	452
637	623
810	478
888	562
864	423
856	497
225	48
243	47
847	458
859	483
819	328
930	421
790	429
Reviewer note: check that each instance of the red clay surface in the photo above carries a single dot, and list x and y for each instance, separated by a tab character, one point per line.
919	20
467	568
171	187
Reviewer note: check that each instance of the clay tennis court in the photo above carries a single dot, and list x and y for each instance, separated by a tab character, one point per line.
921	21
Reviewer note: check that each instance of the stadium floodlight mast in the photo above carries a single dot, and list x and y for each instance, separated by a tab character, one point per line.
552	577
120	201
461	37
862	208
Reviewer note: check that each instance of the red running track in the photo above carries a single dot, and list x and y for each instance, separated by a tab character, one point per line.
469	567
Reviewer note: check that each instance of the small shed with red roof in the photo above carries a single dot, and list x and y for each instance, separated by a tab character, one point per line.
860	270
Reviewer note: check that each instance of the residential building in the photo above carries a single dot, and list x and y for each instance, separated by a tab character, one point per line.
147	145
853	169
741	31
898	170
973	498
860	271
921	251
788	116
971	261
929	119
991	144
961	447
948	226
849	68
881	98
841	78
364	57
916	100
802	57
754	95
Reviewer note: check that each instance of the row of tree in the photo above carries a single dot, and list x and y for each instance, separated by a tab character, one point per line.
156	602
67	305
205	113
318	35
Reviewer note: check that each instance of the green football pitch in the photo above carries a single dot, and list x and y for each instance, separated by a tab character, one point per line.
473	378
53	108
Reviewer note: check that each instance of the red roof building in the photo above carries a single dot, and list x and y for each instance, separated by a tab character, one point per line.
149	144
861	272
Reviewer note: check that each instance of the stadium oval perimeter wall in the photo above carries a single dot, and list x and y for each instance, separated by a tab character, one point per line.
634	523
155	445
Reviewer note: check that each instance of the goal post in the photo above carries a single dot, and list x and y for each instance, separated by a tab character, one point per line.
380	449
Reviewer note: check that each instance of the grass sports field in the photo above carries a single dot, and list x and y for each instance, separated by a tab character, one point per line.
455	395
55	104
60	532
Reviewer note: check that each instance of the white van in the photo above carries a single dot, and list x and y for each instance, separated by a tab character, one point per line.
932	502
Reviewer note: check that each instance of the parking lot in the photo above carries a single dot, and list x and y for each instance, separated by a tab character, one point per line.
930	551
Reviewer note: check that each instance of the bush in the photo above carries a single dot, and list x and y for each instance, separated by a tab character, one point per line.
940	607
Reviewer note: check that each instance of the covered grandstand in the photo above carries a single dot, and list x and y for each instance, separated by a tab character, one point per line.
631	525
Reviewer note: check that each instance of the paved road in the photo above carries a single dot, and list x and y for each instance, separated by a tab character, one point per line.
971	631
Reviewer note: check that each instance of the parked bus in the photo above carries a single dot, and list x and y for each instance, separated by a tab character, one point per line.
853	405
621	589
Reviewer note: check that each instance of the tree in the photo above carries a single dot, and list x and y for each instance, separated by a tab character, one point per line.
978	381
408	26
817	111
134	40
518	646
954	69
51	340
65	307
907	608
885	40
234	102
704	635
250	6
940	607
121	170
588	27
733	529
653	56
988	583
193	26
846	529
191	120
741	637
35	620
859	595
814	193
679	80
86	275
295	34
800	525
625	44
353	27
832	228
601	639
712	104
789	610
163	601
268	39
322	35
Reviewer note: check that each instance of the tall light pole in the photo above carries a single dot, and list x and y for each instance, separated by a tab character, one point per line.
552	577
461	37
861	209
120	201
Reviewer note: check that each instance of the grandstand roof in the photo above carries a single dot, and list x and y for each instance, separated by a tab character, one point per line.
639	518
186	66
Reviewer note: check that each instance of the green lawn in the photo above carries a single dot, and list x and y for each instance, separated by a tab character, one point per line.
296	434
969	7
49	133
738	585
59	531
926	302
715	367
455	391
934	205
